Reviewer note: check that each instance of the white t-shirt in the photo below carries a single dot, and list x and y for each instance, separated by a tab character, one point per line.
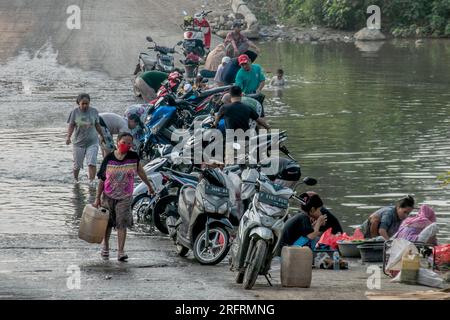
115	123
277	82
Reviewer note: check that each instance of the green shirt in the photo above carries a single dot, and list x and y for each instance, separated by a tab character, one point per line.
154	78
252	103
249	81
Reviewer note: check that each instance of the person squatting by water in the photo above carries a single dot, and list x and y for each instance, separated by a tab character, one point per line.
115	190
305	229
386	221
83	123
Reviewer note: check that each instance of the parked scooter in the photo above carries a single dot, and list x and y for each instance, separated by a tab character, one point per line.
160	58
141	198
259	234
203	225
197	35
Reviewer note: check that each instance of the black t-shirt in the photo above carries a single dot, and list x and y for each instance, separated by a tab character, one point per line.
300	226
296	227
332	222
230	71
237	115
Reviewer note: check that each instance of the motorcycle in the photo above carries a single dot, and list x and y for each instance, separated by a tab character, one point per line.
197	34
259	234
203	225
141	198
163	60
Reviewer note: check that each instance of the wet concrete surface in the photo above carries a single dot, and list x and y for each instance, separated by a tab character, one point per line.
39	267
111	34
43	66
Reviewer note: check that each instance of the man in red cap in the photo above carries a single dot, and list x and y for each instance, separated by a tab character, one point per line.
251	77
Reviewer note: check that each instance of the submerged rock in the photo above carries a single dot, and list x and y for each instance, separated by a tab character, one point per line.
367	34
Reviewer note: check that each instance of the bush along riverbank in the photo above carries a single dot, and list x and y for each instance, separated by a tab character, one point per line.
338	20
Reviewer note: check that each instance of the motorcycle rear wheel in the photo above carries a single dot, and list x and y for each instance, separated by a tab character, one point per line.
139	208
199	246
159	211
257	259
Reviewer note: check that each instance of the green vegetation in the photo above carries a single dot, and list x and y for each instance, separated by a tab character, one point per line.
401	18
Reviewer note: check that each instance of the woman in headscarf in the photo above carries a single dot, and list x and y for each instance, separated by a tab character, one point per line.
421	227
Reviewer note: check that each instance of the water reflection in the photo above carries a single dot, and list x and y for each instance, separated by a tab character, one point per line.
370	48
372	128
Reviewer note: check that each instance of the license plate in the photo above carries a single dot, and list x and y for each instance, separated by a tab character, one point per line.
216	191
273	200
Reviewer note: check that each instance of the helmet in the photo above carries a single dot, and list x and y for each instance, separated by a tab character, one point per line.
288	170
174	76
187	87
188	20
188	35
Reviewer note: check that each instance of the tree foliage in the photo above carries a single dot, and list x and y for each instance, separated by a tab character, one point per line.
404	18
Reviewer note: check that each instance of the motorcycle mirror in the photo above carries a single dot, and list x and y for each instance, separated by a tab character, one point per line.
149	39
310	181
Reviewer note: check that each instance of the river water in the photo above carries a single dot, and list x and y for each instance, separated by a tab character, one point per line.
371	124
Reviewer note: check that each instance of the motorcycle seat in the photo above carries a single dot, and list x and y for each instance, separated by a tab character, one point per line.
184	175
210	92
148	60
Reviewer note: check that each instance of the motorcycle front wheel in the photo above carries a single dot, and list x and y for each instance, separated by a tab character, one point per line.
258	256
217	249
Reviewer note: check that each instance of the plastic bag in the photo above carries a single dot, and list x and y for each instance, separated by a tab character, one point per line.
396	251
331	240
428	233
442	255
426	278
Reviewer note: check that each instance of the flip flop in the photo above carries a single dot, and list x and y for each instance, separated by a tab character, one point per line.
122	257
105	253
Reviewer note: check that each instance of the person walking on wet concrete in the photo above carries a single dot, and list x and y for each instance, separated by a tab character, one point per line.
84	122
386	221
115	190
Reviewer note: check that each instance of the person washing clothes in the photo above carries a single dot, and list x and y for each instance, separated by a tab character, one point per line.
250	78
236	43
218	77
84	122
305	229
113	124
386	221
421	227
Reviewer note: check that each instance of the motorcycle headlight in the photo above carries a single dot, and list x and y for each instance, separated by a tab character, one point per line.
267	221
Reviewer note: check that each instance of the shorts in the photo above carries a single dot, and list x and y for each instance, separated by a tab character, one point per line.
147	92
120	216
79	153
